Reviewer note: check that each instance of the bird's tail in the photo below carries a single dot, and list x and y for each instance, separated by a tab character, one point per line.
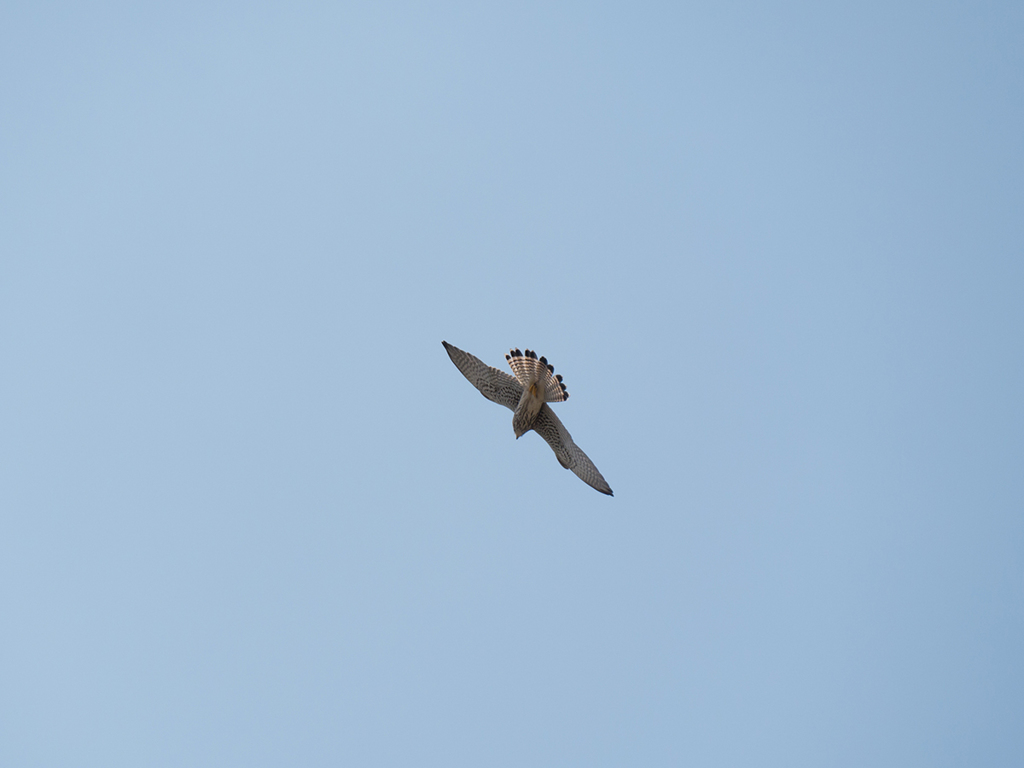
532	370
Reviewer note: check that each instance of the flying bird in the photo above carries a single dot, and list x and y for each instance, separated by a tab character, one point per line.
527	395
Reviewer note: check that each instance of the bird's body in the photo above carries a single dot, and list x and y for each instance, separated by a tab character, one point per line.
527	394
540	385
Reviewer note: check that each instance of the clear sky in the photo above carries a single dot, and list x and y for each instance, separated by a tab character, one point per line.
252	515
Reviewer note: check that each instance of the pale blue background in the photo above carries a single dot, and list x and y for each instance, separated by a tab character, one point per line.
253	516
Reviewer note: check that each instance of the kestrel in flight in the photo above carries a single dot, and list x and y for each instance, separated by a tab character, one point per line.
527	394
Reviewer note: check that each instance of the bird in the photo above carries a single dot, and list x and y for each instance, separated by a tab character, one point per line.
527	395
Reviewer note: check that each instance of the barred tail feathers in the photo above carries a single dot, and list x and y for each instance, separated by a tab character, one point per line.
531	370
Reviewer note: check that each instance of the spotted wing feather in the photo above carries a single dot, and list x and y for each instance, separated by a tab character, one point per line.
493	384
569	455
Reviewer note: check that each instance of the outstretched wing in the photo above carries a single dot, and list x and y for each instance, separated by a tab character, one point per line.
569	455
493	384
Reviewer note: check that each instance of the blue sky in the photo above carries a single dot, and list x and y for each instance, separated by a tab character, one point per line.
253	515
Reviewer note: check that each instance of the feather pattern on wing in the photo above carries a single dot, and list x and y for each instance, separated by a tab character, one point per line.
493	384
569	455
